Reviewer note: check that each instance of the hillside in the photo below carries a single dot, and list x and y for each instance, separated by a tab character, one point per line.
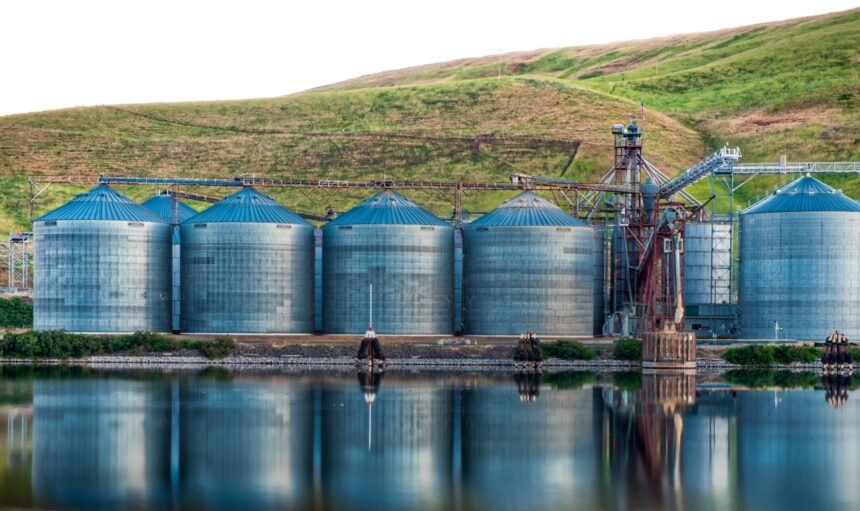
787	87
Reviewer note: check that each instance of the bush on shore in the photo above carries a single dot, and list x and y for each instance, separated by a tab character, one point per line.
567	350
627	349
63	345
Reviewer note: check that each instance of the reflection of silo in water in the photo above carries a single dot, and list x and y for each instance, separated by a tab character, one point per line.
245	445
796	452
101	444
537	455
400	459
709	451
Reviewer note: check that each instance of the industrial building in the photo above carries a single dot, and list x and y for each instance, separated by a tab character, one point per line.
635	251
247	267
405	253
528	266
800	264
102	264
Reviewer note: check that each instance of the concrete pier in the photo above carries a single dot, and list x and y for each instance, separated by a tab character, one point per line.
669	349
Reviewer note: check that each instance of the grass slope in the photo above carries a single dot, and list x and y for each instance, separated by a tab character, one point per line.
787	87
422	132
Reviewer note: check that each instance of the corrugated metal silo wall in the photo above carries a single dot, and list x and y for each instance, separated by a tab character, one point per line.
535	278
101	444
411	268
102	276
247	278
396	455
599	278
801	269
707	263
318	286
246	444
458	281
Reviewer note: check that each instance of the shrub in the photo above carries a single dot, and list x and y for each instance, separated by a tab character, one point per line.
789	354
769	355
567	350
219	348
60	344
15	313
750	355
627	349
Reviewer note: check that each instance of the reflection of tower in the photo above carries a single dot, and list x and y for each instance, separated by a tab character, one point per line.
369	382
409	463
528	385
101	443
642	438
540	456
246	444
836	388
661	425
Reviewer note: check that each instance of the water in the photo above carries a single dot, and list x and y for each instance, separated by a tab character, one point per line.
76	438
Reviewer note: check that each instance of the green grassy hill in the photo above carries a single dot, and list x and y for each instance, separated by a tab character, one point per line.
788	87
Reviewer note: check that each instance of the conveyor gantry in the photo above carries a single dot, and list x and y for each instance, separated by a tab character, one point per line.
720	161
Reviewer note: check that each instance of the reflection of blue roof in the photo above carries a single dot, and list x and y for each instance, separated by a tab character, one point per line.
102	203
805	194
527	209
162	205
388	208
248	206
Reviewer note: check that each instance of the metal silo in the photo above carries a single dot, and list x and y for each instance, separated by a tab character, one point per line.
247	266
173	212
102	264
708	277
800	264
707	263
405	252
528	265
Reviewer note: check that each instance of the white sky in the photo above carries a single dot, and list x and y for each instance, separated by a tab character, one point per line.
59	54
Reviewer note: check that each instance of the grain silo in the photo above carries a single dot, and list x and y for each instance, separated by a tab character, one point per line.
528	266
800	264
173	212
247	266
708	298
102	264
405	252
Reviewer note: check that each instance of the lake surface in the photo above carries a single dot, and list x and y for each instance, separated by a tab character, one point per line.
95	439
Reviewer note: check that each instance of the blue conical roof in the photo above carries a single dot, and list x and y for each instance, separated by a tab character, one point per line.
527	208
805	194
102	203
388	208
162	205
248	206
